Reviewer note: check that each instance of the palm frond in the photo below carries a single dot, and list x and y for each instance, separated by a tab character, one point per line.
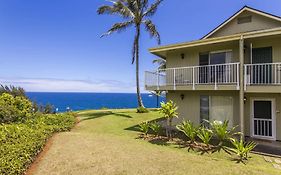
118	27
152	9
118	7
151	28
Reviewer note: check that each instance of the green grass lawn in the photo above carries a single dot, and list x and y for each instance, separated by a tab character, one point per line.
105	142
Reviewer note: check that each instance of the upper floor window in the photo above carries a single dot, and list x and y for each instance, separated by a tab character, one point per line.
244	19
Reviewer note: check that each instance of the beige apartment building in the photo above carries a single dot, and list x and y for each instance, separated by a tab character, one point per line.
233	73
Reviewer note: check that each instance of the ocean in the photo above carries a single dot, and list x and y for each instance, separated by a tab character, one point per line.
83	101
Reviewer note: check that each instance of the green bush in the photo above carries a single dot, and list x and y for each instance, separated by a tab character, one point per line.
188	128
13	109
21	142
144	127
205	135
142	110
156	128
241	148
169	110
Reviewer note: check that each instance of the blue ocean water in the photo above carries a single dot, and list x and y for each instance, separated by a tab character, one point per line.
82	101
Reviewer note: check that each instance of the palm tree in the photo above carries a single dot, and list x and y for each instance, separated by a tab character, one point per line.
136	13
161	63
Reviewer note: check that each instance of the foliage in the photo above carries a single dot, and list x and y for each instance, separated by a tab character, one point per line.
12	90
155	127
136	13
144	127
21	142
161	63
142	110
205	135
49	109
188	129
222	131
242	148
169	110
14	109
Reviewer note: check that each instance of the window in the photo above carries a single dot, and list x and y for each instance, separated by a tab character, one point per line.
216	108
244	19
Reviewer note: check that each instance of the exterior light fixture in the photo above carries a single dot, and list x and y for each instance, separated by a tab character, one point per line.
182	56
182	96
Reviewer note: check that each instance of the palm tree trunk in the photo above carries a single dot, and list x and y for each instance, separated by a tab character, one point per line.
140	103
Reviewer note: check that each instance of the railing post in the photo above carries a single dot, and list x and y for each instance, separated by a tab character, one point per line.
193	79
157	79
275	73
245	77
237	74
174	79
216	86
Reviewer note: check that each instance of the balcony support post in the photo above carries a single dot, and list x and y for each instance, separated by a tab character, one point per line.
174	78
193	79
216	74
241	91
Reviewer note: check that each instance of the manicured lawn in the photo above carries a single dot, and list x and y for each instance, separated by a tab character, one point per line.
104	142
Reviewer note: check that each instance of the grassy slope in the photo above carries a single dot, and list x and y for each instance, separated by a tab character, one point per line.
101	144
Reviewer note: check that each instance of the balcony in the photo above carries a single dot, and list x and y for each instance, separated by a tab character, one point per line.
262	77
225	76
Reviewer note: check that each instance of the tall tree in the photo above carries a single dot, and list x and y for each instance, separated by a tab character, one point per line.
135	13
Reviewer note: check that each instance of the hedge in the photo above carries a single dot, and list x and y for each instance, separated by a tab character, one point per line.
21	142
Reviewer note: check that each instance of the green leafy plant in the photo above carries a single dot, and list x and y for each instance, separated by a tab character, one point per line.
169	110
12	90
222	131
188	129
205	135
144	127
156	128
21	142
142	110
242	148
14	109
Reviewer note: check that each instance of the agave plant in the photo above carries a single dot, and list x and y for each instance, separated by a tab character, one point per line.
188	129
205	135
169	110
242	148
155	127
144	127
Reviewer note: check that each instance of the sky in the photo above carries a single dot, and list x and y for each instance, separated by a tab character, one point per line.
55	45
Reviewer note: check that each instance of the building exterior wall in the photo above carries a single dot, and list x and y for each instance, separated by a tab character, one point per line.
189	107
259	22
247	112
192	55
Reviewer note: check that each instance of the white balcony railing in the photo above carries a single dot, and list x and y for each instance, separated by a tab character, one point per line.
219	74
263	74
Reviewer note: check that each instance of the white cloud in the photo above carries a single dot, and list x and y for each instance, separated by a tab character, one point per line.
64	85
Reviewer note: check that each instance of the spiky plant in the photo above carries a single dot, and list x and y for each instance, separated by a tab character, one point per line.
135	13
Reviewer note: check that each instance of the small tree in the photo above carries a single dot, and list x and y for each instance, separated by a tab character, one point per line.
169	110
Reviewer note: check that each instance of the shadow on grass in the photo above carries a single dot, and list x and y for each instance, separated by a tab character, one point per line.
135	128
94	115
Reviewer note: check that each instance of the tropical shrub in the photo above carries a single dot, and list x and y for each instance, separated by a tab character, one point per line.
142	110
169	110
205	135
188	129
155	127
13	109
12	90
241	148
222	131
21	142
144	127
